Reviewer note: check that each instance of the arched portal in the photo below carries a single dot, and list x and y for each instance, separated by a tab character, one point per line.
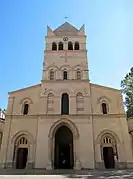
23	143
21	151
109	150
109	141
63	150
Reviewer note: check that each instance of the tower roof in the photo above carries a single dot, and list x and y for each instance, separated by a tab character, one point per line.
66	29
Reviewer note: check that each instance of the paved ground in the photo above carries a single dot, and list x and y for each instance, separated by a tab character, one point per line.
40	174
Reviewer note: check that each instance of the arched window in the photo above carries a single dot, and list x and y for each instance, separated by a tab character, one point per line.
51	75
78	76
60	47
26	108
65	104
104	108
70	46
65	75
54	46
76	46
107	140
79	102
22	140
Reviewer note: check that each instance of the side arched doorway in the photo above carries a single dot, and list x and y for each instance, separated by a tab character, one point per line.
20	156
109	151
63	151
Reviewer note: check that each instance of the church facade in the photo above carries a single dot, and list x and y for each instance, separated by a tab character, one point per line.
66	122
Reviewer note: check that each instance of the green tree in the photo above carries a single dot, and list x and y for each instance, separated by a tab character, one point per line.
127	89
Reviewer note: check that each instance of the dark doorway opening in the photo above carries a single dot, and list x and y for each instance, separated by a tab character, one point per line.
108	156
21	159
63	151
65	104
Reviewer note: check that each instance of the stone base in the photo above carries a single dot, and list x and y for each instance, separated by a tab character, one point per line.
77	165
2	165
13	165
9	165
49	165
99	165
30	165
122	165
129	165
118	165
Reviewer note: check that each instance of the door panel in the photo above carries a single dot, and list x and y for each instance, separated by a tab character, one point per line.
21	158
108	156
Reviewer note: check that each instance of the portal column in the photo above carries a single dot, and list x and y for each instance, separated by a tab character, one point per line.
77	164
50	151
30	157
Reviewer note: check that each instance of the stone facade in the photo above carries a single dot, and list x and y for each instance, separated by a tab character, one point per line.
94	114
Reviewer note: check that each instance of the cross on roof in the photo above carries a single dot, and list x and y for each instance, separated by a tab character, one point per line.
65	17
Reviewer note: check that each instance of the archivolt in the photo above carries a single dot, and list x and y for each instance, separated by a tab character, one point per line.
22	133
103	98
65	67
54	67
106	131
51	91
78	67
66	90
60	123
26	100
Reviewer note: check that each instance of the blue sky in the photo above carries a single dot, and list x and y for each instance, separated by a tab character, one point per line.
109	30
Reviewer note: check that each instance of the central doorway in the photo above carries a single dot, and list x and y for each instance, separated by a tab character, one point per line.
63	151
108	156
21	158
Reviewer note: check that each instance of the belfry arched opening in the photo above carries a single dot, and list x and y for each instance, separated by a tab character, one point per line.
63	151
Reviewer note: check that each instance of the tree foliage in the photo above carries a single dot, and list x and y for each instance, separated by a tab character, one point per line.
127	89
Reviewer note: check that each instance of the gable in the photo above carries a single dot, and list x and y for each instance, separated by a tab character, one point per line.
66	29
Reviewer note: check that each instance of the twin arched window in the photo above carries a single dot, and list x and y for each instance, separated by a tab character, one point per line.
70	46
52	75
54	46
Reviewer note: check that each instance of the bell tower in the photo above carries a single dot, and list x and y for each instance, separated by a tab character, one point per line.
65	54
